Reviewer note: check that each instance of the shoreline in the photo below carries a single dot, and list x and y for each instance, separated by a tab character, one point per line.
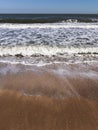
52	97
55	80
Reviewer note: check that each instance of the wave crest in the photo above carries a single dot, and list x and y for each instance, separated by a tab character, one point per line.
44	50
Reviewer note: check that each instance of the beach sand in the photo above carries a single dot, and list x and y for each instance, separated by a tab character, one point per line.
53	97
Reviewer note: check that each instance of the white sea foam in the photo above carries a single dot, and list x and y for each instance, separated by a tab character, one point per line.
69	34
59	41
44	50
50	25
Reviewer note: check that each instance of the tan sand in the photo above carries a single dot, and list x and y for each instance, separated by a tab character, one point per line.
48	84
48	101
19	112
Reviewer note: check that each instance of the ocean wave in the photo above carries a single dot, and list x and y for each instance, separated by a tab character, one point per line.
44	50
60	34
62	24
67	42
49	20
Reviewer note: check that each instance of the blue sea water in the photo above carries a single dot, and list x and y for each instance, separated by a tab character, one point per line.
45	18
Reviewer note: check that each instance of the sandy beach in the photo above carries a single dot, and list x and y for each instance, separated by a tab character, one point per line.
51	97
48	71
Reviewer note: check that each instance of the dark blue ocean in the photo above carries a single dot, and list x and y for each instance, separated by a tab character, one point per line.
46	18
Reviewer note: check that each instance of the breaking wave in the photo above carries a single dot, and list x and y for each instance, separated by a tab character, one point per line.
55	42
42	55
44	50
61	34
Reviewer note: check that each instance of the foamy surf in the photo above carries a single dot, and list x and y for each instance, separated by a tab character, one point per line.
68	42
45	50
70	34
63	24
42	55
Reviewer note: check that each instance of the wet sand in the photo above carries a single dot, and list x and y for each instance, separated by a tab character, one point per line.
49	98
